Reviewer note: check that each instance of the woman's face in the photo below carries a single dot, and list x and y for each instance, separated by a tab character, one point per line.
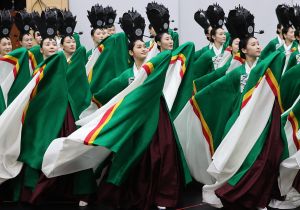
69	45
111	30
5	46
290	35
253	48
49	47
166	42
235	46
139	50
99	35
37	37
27	41
220	36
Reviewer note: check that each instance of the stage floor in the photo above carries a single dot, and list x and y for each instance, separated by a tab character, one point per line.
191	200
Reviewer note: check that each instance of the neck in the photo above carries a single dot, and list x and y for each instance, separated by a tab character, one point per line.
288	42
96	44
68	55
250	61
280	35
138	63
217	45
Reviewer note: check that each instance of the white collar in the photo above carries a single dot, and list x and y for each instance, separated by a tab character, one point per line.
135	71
248	68
217	51
287	48
280	41
210	45
298	47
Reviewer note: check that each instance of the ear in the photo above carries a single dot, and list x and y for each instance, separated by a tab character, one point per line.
130	52
213	37
159	43
244	51
41	50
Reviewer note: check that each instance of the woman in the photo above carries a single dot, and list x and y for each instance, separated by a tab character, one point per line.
217	56
68	42
76	186
288	32
6	24
23	22
294	58
97	18
161	185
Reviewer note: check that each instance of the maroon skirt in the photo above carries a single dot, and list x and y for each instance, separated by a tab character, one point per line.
156	179
59	188
259	184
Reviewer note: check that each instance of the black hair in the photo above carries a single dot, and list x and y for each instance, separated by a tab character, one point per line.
132	44
6	37
297	34
243	45
63	39
206	31
94	30
42	42
22	35
213	32
279	26
150	26
34	34
231	40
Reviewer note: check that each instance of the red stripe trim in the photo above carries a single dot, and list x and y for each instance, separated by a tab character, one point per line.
103	119
8	60
294	126
205	133
271	84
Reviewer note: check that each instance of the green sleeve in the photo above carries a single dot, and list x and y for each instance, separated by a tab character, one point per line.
113	87
271	47
77	40
228	37
35	50
175	38
207	79
292	60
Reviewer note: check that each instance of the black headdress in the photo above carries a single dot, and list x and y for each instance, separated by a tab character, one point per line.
133	24
5	23
158	16
215	15
201	19
35	20
97	16
110	16
48	26
67	24
295	16
23	21
240	23
283	15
